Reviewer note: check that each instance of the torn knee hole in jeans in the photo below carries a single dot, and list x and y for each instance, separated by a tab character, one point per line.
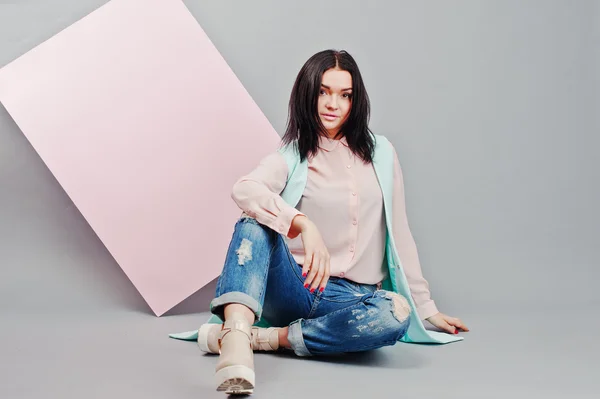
244	252
400	306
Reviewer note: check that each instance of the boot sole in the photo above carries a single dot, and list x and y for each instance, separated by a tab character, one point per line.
235	380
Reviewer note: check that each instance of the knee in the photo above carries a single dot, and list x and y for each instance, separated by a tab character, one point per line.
250	236
250	228
395	311
400	306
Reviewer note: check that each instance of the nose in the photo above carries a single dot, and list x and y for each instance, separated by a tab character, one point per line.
332	103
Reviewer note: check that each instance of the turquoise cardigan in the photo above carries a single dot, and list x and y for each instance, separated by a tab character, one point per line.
383	163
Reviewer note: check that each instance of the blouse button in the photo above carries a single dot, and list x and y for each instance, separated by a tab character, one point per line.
342	274
354	194
354	222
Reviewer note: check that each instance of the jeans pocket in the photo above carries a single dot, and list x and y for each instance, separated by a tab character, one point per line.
341	290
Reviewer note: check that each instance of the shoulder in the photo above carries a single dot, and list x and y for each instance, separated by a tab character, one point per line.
276	160
384	149
288	150
383	144
289	155
379	139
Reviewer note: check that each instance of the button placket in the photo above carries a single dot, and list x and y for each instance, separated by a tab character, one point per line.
353	212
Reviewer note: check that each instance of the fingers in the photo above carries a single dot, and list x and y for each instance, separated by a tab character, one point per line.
316	264
307	262
318	274
448	328
452	324
312	273
326	274
458	323
447	323
322	274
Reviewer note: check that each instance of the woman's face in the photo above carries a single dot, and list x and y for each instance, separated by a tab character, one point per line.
335	99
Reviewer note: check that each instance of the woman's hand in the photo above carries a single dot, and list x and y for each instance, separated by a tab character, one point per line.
316	255
447	323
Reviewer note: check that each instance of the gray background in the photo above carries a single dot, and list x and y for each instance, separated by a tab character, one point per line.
493	108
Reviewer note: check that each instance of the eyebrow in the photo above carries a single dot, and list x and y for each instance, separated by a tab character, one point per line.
329	88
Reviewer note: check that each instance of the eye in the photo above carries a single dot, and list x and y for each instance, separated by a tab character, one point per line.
321	92
347	95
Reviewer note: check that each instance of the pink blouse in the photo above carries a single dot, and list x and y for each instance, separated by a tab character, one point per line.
343	198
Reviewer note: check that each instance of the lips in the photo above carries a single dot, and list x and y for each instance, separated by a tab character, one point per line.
329	116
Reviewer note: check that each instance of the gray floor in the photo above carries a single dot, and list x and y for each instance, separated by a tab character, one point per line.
124	352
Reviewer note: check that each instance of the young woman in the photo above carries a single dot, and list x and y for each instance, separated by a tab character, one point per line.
315	269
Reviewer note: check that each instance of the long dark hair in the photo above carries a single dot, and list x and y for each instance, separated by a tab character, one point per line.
304	125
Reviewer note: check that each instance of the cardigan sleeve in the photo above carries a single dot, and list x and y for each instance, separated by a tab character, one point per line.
407	249
258	194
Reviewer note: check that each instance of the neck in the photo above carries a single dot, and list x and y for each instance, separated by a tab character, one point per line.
331	134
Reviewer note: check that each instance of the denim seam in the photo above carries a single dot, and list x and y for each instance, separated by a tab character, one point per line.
266	275
360	303
355	288
218	289
350	300
292	261
269	258
315	304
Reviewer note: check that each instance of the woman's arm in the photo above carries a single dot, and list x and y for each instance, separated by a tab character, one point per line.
407	249
258	195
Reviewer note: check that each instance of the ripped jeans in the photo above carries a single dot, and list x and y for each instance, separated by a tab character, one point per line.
260	273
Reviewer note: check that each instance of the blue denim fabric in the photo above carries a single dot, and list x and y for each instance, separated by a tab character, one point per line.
261	273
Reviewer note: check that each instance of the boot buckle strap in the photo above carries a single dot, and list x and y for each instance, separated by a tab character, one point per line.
235	325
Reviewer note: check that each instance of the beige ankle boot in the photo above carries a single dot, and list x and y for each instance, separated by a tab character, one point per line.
263	339
235	368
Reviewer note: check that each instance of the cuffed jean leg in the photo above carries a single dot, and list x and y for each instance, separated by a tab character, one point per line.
378	320
244	276
296	340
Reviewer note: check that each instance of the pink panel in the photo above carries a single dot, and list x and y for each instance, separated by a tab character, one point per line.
146	128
